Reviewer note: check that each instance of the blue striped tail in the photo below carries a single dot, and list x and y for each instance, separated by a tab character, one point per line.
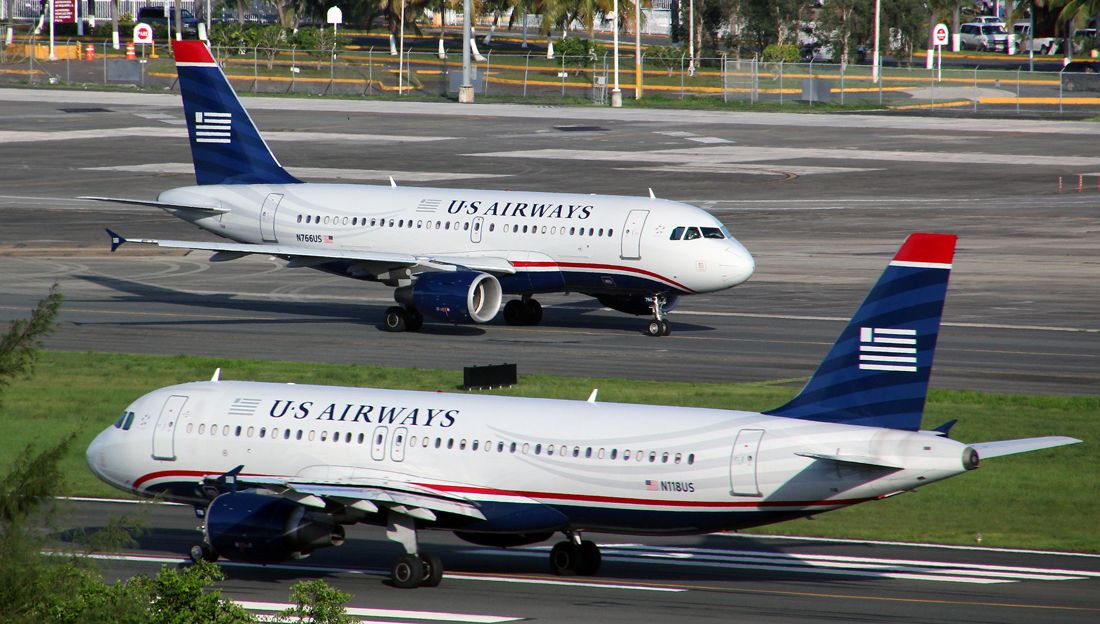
226	147
877	372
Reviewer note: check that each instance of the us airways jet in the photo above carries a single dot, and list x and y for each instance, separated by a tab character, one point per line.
451	255
277	470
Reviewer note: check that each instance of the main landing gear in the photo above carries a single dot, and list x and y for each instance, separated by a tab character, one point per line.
526	311
414	568
399	319
659	326
575	556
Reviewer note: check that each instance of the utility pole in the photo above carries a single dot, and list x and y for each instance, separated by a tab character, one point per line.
466	91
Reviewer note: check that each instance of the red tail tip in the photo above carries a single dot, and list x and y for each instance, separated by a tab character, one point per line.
191	51
931	248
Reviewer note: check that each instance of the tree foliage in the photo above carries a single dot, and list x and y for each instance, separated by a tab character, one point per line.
20	344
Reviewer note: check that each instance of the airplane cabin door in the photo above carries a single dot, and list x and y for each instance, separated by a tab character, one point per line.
164	446
632	234
475	229
267	217
743	463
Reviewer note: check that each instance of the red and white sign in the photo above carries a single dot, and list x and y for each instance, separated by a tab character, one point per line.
940	35
64	11
143	33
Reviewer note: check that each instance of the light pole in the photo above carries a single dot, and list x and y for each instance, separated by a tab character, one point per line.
616	94
401	55
691	37
466	91
875	55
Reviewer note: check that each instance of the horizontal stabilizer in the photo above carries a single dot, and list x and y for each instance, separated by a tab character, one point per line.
858	460
1011	447
210	208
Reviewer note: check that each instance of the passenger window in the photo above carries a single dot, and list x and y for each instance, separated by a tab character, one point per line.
692	234
610	233
677	233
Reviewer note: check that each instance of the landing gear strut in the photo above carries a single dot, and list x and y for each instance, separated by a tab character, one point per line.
399	319
659	326
414	568
575	556
526	311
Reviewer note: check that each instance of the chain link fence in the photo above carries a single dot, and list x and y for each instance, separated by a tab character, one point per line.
377	72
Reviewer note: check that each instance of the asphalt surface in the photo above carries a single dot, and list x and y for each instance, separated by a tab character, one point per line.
728	578
821	201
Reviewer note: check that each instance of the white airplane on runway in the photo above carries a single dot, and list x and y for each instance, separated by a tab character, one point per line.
276	470
450	254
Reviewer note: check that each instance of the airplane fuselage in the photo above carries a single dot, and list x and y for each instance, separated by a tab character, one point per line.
556	242
529	464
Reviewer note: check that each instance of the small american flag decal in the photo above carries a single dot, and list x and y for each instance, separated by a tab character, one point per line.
884	349
651	485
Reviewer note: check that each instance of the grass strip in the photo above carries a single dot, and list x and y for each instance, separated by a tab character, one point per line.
1045	500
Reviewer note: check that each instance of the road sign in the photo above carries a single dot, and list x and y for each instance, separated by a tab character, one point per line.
143	33
64	11
940	35
334	16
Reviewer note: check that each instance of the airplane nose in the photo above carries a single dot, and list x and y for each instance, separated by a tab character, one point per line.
96	456
737	263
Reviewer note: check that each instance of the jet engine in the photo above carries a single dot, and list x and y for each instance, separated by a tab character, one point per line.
454	297
248	526
632	304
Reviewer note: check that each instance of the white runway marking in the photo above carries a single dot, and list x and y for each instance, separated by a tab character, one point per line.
709	156
153	132
420	616
776	169
323	173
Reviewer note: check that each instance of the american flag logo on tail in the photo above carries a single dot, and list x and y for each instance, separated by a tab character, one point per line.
883	349
213	127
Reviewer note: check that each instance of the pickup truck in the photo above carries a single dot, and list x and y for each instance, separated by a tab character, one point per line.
155	16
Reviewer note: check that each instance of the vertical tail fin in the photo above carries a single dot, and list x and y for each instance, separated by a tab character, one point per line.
225	145
877	372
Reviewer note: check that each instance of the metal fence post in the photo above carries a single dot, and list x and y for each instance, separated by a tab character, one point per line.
976	88
255	67
68	59
370	71
1017	90
812	83
485	80
725	90
562	75
526	67
682	57
842	68
293	67
780	83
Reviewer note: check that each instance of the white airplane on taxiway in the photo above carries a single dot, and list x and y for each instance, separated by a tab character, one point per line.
277	470
450	254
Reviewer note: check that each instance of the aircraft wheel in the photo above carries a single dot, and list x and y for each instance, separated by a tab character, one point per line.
532	312
203	552
590	558
564	558
414	319
396	319
655	328
513	312
666	328
433	570
407	572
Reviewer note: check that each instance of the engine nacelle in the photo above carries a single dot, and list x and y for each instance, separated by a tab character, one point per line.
454	297
633	304
248	526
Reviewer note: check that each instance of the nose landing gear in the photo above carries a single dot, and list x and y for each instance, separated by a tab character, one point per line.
659	326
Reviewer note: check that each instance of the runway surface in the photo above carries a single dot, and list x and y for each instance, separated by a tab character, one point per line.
730	578
821	201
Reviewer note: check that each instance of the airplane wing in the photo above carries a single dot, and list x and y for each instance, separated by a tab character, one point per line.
212	208
1011	447
373	262
366	495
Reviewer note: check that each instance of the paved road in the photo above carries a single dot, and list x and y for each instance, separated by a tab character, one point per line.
690	579
821	201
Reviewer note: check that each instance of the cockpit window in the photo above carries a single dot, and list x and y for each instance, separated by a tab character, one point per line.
677	233
128	421
712	232
726	231
692	234
121	418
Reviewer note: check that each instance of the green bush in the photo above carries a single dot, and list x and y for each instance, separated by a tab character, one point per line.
785	52
576	51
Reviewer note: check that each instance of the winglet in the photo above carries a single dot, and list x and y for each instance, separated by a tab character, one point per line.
393	183
229	479
217	375
651	195
116	239
592	397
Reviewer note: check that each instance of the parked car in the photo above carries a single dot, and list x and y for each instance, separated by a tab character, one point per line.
1081	76
1041	45
977	36
155	16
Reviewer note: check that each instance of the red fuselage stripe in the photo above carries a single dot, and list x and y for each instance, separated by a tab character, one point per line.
559	496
